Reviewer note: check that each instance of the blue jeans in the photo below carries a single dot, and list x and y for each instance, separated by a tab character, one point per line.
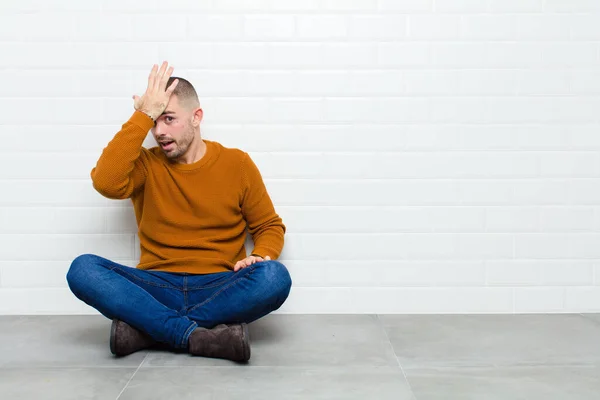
169	306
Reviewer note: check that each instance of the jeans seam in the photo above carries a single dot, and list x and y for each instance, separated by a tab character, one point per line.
222	289
143	280
185	293
187	333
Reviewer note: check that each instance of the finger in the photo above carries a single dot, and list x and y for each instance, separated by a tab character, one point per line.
267	258
165	78
160	74
236	267
171	88
152	76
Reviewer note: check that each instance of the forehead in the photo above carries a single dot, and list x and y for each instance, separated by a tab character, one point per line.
173	105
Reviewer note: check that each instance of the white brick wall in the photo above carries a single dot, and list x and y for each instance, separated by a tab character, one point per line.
426	155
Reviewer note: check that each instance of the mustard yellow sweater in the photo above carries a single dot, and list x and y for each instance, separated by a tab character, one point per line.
191	217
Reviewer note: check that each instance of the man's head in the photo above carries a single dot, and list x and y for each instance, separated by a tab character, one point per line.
180	122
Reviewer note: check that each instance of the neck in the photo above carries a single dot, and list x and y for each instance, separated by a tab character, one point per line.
195	152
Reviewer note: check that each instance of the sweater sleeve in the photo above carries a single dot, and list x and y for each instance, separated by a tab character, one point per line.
120	170
264	224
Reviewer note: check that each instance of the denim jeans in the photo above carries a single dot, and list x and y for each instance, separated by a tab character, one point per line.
169	306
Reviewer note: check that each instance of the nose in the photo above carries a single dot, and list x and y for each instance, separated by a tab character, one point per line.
158	129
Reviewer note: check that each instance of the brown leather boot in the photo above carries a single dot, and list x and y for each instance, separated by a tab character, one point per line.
231	342
125	339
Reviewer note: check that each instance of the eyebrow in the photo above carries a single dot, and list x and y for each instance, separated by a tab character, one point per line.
168	112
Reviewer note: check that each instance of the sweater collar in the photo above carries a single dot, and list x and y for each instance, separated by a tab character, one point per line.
211	152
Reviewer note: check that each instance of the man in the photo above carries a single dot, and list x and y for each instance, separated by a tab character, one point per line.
194	287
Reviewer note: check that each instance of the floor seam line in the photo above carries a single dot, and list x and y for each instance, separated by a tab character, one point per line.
127	384
396	356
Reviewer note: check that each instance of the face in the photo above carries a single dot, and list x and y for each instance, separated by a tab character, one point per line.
174	130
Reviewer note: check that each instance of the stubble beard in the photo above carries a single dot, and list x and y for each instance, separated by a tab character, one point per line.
182	146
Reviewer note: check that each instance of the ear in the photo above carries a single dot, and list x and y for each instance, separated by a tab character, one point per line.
197	117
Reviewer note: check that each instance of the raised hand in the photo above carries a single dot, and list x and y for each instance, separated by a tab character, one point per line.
157	96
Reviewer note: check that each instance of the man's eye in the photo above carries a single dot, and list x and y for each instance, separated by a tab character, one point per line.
169	119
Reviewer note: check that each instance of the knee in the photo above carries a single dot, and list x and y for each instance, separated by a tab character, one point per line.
277	277
79	269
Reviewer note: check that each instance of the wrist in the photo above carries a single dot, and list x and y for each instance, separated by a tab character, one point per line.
150	115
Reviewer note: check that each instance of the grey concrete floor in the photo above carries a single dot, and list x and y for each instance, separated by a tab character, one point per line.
423	357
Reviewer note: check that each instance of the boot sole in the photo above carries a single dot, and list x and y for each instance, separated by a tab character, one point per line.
113	331
246	341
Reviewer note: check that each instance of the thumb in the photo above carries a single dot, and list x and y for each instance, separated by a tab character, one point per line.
267	258
136	101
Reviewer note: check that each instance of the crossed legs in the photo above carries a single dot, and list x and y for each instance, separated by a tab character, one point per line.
168	306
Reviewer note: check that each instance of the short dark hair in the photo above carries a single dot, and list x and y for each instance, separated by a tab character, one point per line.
185	92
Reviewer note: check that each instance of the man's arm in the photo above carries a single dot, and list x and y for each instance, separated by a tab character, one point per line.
120	171
265	226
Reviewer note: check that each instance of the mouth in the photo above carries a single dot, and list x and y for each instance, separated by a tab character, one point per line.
167	145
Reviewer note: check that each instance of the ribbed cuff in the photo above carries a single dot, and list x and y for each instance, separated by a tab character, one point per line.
264	251
142	120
